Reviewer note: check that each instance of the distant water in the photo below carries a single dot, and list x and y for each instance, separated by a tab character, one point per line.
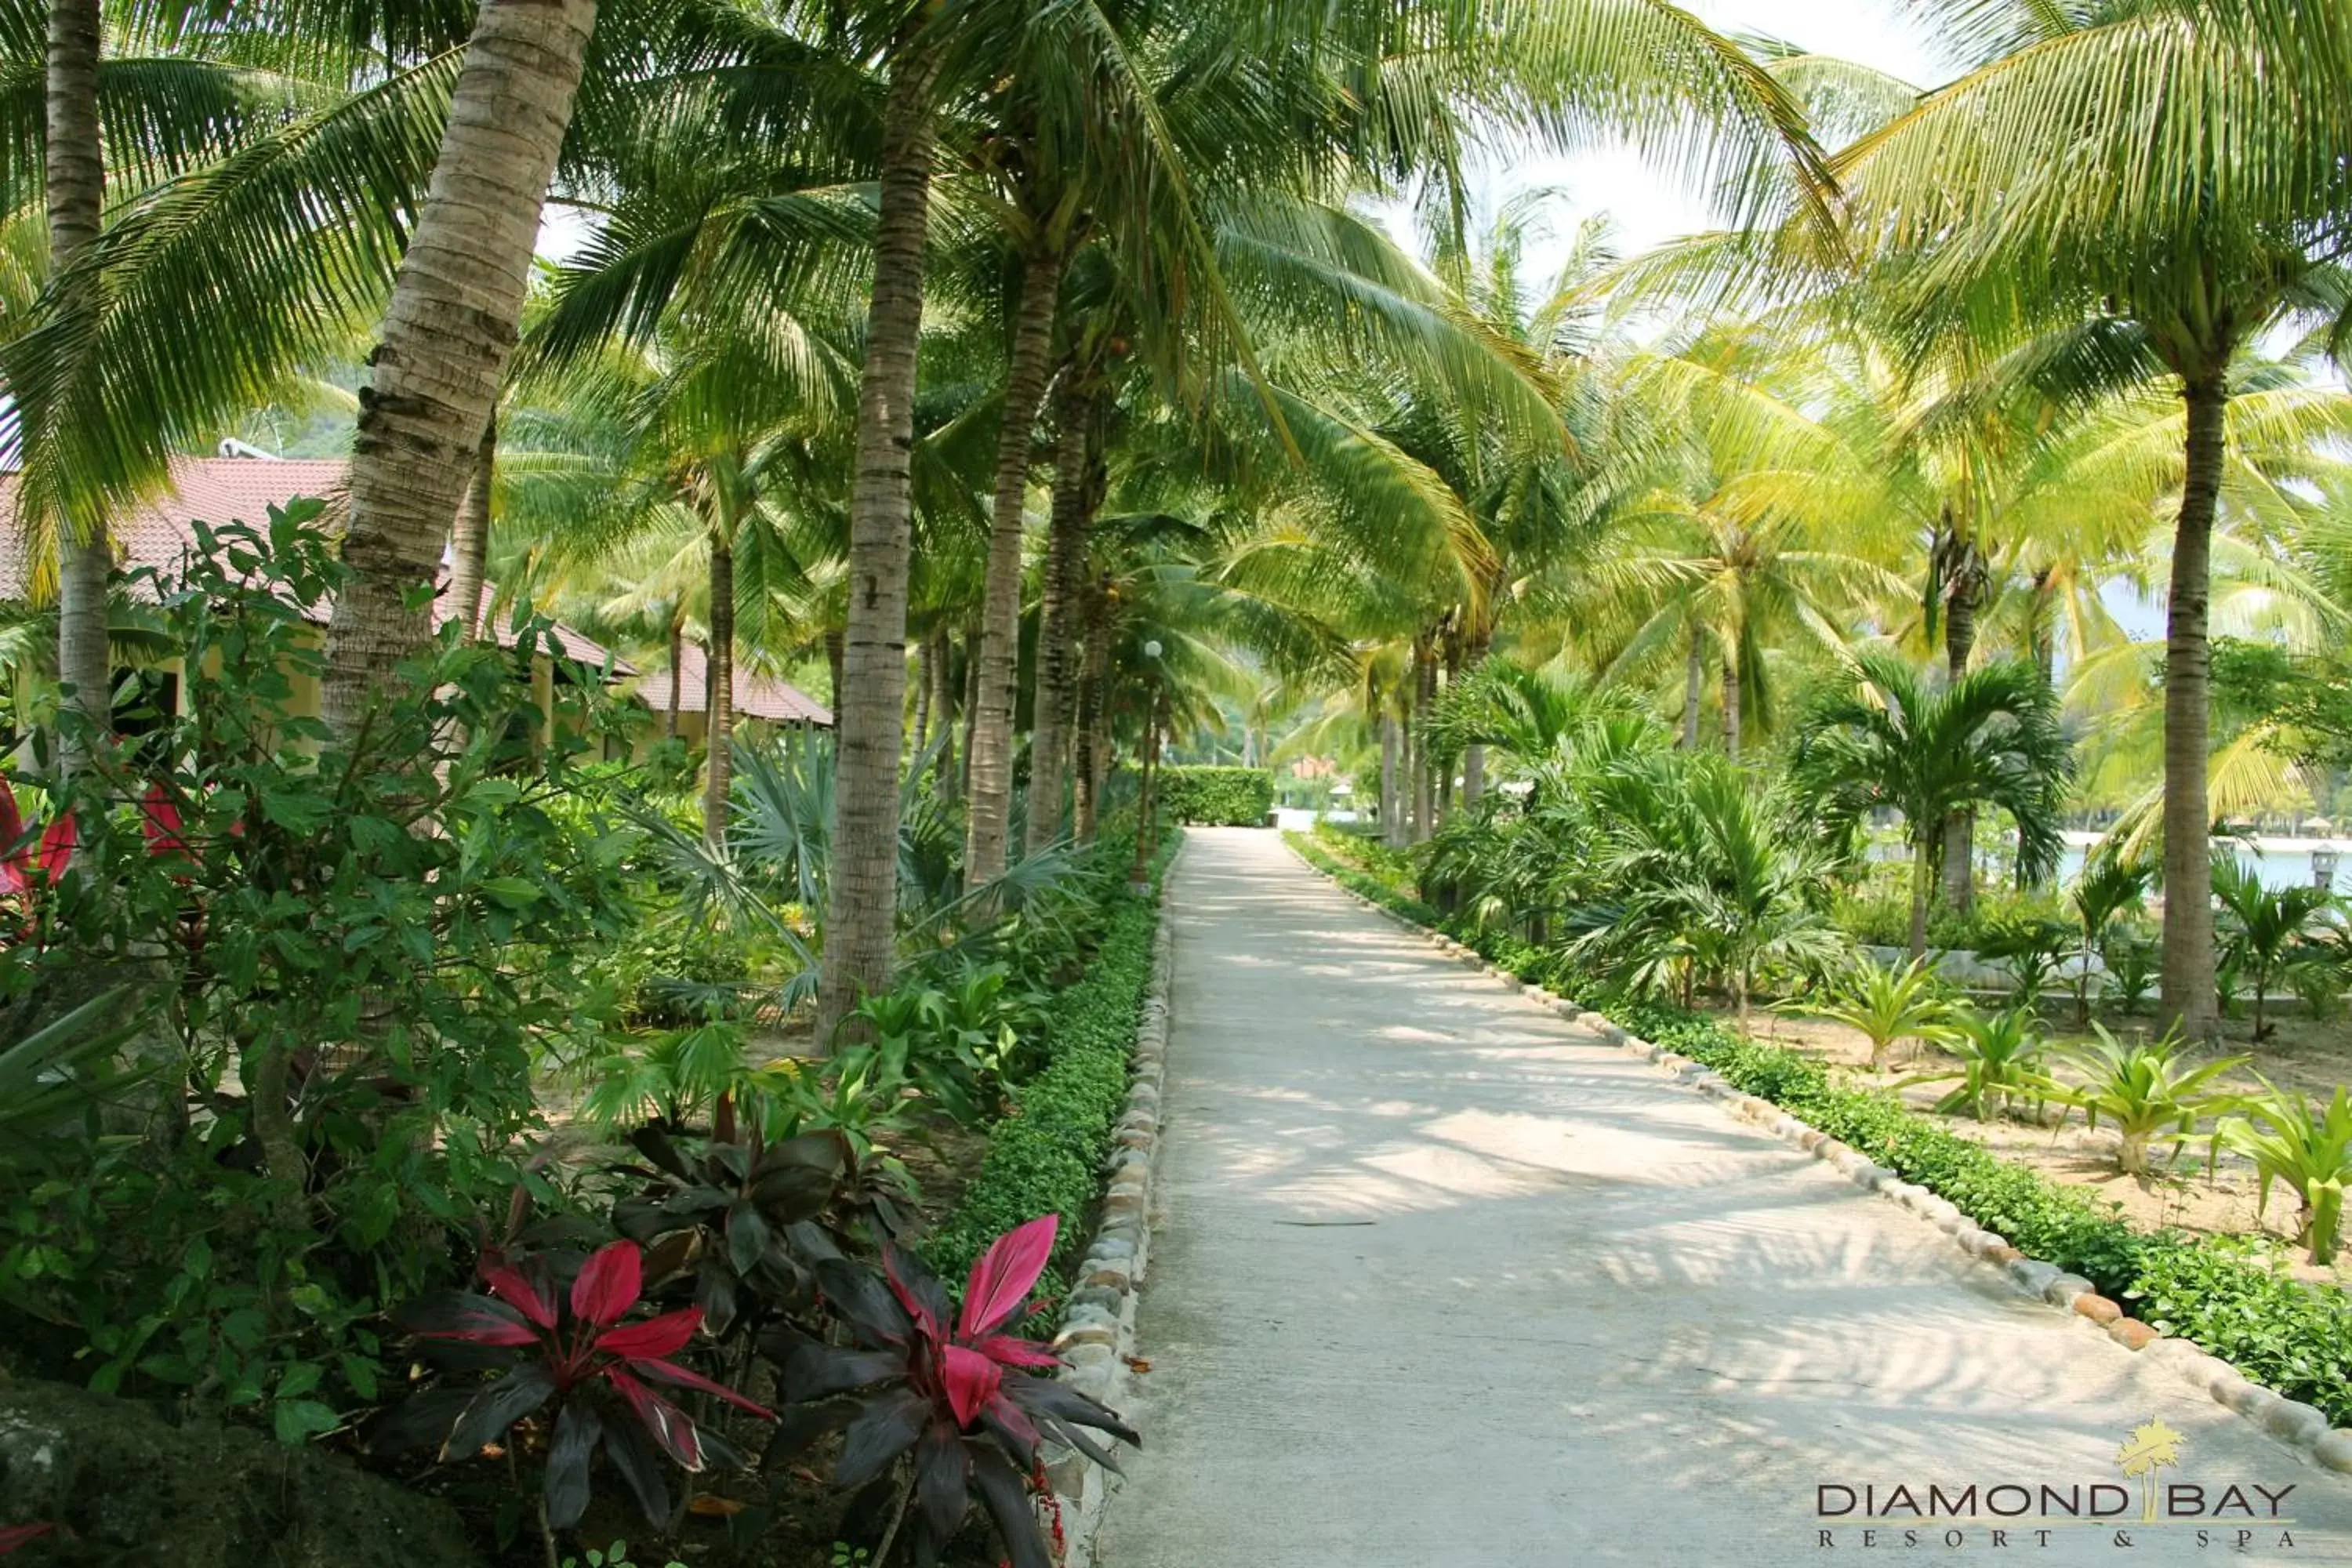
2279	862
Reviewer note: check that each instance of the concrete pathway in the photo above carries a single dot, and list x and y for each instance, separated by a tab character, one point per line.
1442	1281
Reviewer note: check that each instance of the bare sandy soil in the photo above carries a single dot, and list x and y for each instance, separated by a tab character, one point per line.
2311	1056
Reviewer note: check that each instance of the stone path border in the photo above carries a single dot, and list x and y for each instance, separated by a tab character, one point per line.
2300	1426
1097	1332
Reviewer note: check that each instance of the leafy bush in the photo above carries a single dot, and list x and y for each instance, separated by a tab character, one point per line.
1216	797
1887	1004
345	957
559	1315
2307	1152
2146	1091
954	1392
2000	1056
1045	1158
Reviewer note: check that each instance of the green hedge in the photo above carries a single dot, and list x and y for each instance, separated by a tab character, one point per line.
1047	1156
2231	1297
1216	797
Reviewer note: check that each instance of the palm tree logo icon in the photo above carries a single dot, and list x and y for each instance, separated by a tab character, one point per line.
2149	1450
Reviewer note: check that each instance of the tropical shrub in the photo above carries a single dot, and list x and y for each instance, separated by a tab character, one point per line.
950	1390
1989	738
2000	1056
342	961
2132	961
1214	796
2261	925
2032	948
1886	1005
2309	1152
559	1313
2146	1089
1701	871
739	1208
2108	888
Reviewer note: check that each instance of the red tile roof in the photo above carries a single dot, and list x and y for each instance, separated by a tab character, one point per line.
756	696
159	532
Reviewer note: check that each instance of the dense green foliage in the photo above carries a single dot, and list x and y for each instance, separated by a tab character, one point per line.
344	963
1047	1156
2232	1297
1214	796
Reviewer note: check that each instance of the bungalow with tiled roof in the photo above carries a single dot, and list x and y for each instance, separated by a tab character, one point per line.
161	533
759	698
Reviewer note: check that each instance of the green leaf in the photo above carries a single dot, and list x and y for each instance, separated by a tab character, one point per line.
514	892
360	1373
299	1419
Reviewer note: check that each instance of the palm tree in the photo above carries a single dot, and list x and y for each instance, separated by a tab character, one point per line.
2262	923
457	303
1891	740
1704	870
75	173
2109	885
2190	189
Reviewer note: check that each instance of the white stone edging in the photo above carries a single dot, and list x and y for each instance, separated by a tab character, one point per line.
1097	1332
2299	1426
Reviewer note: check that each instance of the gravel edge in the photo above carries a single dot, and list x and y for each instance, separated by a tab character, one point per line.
2304	1427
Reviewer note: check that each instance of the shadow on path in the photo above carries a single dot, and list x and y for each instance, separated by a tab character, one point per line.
1442	1281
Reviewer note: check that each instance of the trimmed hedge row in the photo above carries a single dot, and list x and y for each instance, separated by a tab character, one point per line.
1216	797
2231	1297
1047	1156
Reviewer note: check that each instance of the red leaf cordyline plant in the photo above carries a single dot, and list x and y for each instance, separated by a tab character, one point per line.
12	1536
955	1390
575	1353
26	864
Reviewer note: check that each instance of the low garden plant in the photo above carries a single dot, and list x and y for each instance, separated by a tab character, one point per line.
2002	1058
2146	1091
1887	1005
2305	1150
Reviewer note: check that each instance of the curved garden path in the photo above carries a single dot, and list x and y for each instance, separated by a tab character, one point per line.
1442	1281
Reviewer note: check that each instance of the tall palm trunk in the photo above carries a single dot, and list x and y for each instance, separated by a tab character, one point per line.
1391	803
1424	698
1693	684
2041	635
1960	645
1922	877
719	706
76	191
922	697
677	678
941	660
970	709
452	323
2188	989
1474	756
1092	753
1057	617
861	904
470	538
988	825
835	654
1731	718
